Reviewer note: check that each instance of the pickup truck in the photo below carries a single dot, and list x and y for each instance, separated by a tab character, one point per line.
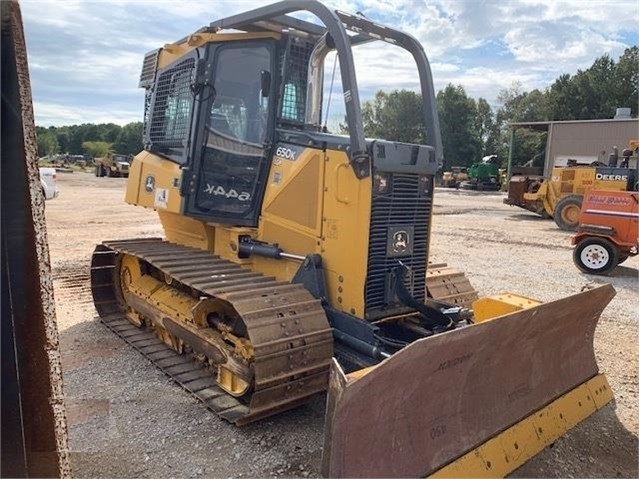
48	182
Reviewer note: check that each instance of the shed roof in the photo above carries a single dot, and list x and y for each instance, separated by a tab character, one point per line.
543	125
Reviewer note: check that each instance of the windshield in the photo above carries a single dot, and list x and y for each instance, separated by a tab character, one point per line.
239	111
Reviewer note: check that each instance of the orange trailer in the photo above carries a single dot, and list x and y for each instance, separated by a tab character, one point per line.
608	231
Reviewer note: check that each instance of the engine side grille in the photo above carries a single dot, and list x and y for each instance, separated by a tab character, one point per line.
403	206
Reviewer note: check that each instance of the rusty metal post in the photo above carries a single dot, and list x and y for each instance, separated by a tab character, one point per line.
34	431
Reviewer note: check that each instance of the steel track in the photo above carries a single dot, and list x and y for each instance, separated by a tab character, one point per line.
287	327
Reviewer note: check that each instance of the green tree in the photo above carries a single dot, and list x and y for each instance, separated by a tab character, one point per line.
129	140
395	116
626	79
47	142
459	127
594	90
563	102
97	149
76	138
62	135
487	128
109	132
529	147
521	106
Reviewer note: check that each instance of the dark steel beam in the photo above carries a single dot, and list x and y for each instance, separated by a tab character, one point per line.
34	437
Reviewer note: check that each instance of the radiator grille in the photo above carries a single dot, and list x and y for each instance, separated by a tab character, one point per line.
403	206
171	116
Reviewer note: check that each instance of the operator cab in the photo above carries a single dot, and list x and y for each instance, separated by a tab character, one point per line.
225	108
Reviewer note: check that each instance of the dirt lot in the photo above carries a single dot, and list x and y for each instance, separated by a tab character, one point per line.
126	419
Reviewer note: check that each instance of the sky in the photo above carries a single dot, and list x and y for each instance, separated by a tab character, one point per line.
85	57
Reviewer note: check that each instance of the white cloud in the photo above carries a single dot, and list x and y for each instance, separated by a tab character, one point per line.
50	113
543	44
79	47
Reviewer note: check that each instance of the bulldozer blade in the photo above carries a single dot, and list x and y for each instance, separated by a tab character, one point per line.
443	396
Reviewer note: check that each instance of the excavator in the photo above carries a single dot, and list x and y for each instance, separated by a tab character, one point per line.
295	261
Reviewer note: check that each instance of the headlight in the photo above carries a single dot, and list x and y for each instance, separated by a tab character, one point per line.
424	184
381	183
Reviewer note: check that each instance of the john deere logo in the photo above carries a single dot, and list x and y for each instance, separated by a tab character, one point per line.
400	242
149	184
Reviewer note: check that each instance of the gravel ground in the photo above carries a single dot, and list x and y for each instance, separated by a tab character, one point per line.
126	419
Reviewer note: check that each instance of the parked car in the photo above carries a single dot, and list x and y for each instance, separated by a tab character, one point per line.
48	182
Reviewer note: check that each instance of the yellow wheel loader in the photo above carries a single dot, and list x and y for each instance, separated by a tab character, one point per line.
292	255
560	196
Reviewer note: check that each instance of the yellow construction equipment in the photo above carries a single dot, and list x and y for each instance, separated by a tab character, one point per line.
290	252
452	178
113	164
560	196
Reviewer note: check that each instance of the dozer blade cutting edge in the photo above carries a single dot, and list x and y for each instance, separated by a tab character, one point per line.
510	385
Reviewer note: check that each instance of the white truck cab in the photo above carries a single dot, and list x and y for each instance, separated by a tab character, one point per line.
48	182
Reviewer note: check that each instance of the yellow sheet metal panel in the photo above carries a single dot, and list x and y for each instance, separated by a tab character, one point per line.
577	405
293	198
610	182
494	306
345	230
600	390
173	51
187	231
154	183
510	449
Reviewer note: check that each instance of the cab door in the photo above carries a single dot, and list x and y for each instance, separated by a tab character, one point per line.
234	138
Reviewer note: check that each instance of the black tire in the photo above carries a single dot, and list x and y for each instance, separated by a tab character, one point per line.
595	256
566	213
97	171
622	258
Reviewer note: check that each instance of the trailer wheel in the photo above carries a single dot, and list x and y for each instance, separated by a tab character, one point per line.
595	256
566	213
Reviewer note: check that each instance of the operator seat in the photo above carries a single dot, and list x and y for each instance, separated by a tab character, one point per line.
220	124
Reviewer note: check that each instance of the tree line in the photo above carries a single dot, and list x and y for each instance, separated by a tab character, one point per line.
90	140
471	129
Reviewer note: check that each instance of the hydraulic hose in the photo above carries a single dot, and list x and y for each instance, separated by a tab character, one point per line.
432	317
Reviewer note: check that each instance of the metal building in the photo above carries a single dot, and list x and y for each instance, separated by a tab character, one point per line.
585	141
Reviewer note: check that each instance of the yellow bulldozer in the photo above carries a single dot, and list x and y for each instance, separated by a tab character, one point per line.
295	262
